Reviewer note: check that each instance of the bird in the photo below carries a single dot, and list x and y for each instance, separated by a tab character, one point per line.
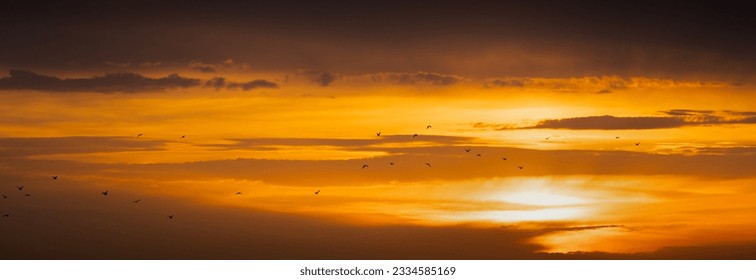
637	143
137	201
428	127
521	167
378	133
616	137
468	150
105	193
428	164
364	165
479	155
183	136
503	158
238	193
27	194
4	196
55	177
139	135
317	192
6	216
547	138
20	188
414	135
170	216
391	163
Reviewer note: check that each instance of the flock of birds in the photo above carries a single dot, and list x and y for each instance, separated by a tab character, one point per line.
171	216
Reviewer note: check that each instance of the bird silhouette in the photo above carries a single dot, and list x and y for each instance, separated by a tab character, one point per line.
137	201
364	165
170	216
4	196
637	143
468	150
105	193
479	155
20	188
55	177
391	163
183	136
27	194
521	167
378	134
238	193
547	138
317	192
428	127
616	137
503	158
6	216
428	164
414	135
139	135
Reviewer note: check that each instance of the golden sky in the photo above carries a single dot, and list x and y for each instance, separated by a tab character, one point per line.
505	145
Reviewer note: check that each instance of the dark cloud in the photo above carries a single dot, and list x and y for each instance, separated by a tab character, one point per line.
216	82
675	118
425	78
251	84
677	39
220	82
202	67
611	122
508	82
112	82
324	78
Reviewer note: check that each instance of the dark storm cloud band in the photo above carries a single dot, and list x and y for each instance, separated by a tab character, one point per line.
126	82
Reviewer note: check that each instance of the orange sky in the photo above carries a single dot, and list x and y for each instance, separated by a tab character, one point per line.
538	134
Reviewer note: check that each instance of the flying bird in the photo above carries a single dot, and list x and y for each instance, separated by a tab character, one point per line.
364	165
55	177
378	134
20	188
616	137
503	158
521	167
479	155
468	150
317	192
637	143
137	201
6	216
428	164
105	193
27	194
238	193
4	196
391	163
170	216
139	135
428	127
414	135
547	138
183	136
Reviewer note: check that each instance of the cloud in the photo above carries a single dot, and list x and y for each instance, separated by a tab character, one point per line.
611	122
428	78
220	82
260	83
596	84
674	118
202	67
111	82
323	78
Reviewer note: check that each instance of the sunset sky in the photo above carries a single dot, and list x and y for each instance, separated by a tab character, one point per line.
544	130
